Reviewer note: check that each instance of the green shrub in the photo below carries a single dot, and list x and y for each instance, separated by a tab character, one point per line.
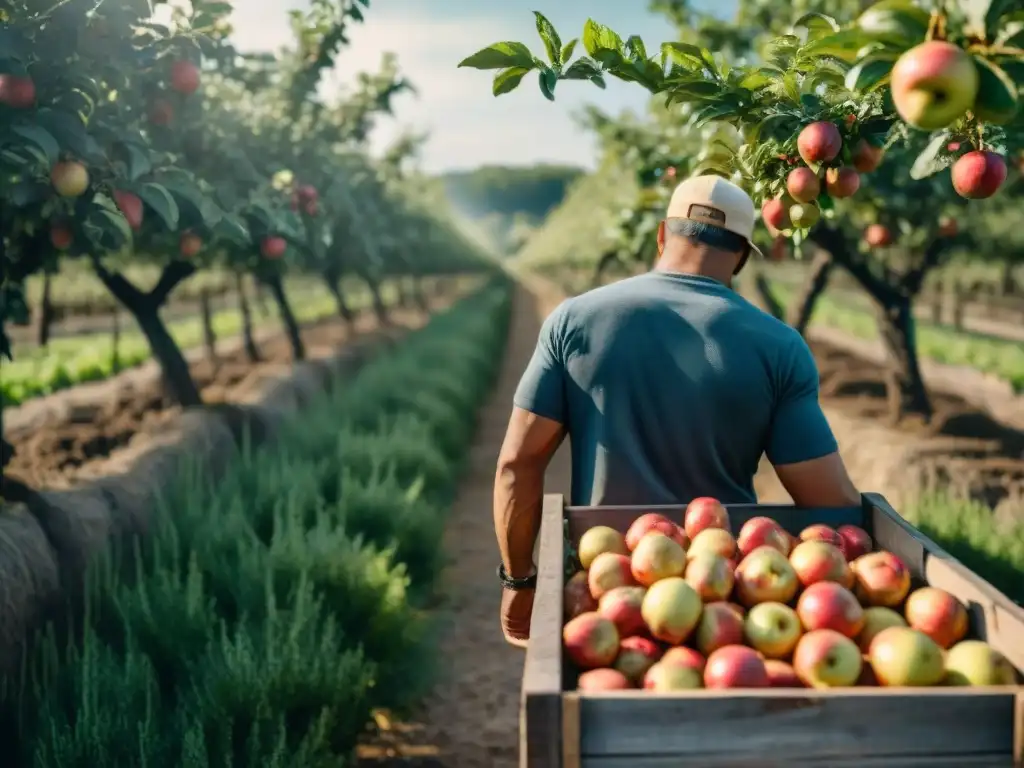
268	612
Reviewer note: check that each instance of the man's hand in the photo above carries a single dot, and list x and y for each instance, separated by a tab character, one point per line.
516	611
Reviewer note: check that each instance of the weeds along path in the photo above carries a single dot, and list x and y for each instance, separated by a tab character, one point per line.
472	719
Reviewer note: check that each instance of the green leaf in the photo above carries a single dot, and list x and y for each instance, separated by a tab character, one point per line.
933	158
135	159
500	56
507	80
27	192
107	229
870	73
817	24
635	49
997	101
71	134
39	137
547	80
598	80
791	86
552	42
901	19
842	45
163	204
581	69
685	55
568	49
598	38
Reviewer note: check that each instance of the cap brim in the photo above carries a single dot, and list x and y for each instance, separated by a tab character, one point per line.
754	249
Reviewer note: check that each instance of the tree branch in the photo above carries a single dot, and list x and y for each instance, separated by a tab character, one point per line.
117	284
912	282
173	274
832	240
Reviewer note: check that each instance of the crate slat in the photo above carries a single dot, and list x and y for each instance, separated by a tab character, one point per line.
786	761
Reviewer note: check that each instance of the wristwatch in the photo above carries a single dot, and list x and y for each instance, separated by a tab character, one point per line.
530	582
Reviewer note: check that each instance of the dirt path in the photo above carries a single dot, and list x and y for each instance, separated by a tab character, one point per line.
472	720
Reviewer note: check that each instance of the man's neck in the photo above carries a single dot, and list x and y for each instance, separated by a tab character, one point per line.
688	267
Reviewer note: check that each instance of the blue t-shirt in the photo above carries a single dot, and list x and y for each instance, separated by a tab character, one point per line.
672	386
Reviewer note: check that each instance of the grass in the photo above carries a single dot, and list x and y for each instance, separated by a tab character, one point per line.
268	613
998	357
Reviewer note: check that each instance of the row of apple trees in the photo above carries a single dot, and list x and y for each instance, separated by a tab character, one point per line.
125	139
862	134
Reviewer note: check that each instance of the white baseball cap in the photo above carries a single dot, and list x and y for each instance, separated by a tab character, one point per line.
713	200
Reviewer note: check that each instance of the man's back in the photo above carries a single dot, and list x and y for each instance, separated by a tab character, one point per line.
672	387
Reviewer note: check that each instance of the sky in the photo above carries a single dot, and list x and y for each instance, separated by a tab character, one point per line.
468	126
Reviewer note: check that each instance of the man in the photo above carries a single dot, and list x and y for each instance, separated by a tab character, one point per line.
671	386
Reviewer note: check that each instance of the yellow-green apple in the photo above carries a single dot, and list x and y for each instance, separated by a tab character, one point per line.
802	184
825	658
816	561
842	182
603	680
636	655
711	575
736	666
672	677
867	157
880	578
69	178
682	656
775	215
608	571
762	532
782	675
622	606
979	174
938	614
765	575
657	557
773	629
876	619
972	662
591	640
576	597
671	610
902	656
827	605
821	532
718	627
819	142
878	236
703	513
714	540
652	521
933	84
598	540
856	541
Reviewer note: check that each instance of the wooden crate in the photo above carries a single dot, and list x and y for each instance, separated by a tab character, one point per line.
886	728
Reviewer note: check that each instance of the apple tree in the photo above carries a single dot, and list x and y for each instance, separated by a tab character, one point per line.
929	87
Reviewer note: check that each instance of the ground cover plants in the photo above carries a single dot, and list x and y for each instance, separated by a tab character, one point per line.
270	611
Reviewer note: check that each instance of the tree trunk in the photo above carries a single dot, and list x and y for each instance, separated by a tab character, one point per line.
252	353
209	335
333	284
291	325
802	309
419	296
44	317
1007	285
936	305
115	340
261	299
765	297
907	392
958	306
379	308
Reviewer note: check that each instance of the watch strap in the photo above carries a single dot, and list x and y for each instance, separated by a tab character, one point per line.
529	582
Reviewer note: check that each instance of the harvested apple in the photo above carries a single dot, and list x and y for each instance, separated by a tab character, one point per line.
598	540
671	609
713	541
636	656
901	656
825	658
880	578
827	605
773	629
762	532
765	575
657	557
576	597
591	640
711	575
972	662
718	627
938	614
703	513
622	605
653	522
876	619
603	680
736	666
608	571
815	561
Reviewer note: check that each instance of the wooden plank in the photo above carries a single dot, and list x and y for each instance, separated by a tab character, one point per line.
845	723
782	760
540	714
794	519
570	730
994	617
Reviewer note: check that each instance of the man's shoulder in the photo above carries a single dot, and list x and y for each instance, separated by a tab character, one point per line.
613	293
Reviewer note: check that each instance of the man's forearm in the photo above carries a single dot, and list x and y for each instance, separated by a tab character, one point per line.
518	501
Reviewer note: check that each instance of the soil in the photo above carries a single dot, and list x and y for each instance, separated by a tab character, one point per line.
70	435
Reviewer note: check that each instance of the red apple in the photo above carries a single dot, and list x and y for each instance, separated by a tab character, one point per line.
842	182
878	236
652	521
671	609
713	541
69	178
598	540
933	84
765	575
775	214
719	626
827	605
682	656
273	247
820	532
856	541
867	157
802	185
576	597
876	619
672	677
17	92
819	142
736	666
622	606
815	561
938	614
825	658
189	244
979	174
591	640
61	236
131	206
636	656
184	77
608	571
603	680
703	513
782	675
711	575
773	629
880	578
657	557
948	227
901	656
761	532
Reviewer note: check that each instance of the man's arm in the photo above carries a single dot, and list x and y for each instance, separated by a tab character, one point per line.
801	445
